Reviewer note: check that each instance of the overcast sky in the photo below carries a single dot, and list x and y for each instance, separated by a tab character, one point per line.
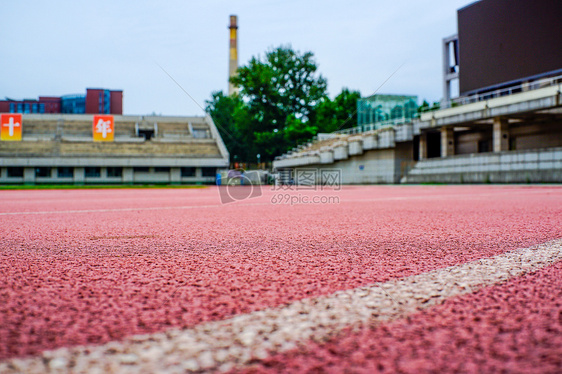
61	47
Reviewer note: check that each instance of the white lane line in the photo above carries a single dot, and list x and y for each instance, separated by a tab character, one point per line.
108	210
241	203
223	345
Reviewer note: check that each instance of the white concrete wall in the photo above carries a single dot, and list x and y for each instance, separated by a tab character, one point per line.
372	167
372	157
511	104
386	139
355	147
528	166
341	152
129	176
326	157
370	142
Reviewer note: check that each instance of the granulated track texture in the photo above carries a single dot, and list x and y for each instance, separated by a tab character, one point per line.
516	328
94	266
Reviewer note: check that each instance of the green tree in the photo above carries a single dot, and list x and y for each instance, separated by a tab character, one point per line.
337	114
425	106
297	131
281	92
230	115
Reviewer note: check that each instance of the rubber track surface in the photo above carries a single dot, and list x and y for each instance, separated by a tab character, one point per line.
92	266
514	327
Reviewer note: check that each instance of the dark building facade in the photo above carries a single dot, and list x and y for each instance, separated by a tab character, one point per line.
103	101
508	42
95	101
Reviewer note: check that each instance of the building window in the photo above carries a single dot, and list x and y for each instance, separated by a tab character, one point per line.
15	172
187	172
65	172
44	172
20	108
141	169
148	134
34	108
41	108
114	172
162	170
12	107
201	133
73	104
92	172
209	172
106	102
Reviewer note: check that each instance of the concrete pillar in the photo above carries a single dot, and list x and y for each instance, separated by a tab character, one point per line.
447	142
370	141
29	175
79	175
341	152
175	175
355	147
326	157
501	134
449	69
423	146
128	175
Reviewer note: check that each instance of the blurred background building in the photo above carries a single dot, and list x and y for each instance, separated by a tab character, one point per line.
500	119
382	110
95	101
59	148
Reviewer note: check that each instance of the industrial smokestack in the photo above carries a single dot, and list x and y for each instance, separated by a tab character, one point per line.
233	62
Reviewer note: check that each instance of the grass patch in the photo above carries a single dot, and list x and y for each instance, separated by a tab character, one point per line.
94	186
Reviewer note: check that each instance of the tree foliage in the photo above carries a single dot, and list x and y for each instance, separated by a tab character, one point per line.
282	102
283	83
230	114
281	91
425	106
337	114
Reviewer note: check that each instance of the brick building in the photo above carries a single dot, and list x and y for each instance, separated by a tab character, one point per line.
95	101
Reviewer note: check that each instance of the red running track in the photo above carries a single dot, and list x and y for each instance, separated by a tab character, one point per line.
514	327
92	266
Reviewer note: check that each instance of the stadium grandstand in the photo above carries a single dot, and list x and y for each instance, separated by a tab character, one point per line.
505	126
94	149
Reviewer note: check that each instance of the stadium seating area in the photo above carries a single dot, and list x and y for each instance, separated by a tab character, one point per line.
152	143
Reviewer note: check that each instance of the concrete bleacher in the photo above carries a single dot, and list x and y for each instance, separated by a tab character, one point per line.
373	156
140	142
77	148
325	143
498	139
173	127
72	135
328	147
